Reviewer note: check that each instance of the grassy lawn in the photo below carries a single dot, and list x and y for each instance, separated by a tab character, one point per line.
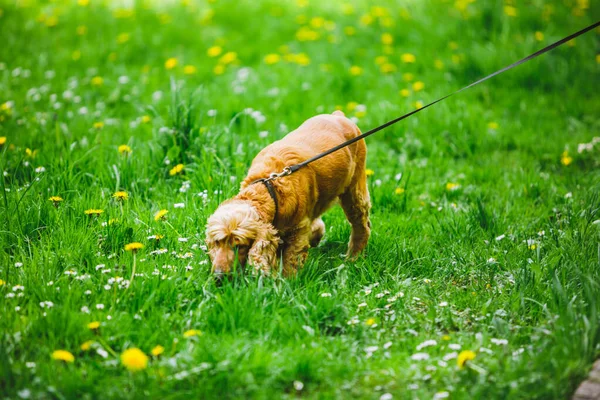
486	207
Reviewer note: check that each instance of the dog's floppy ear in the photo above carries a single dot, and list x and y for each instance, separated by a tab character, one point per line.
263	253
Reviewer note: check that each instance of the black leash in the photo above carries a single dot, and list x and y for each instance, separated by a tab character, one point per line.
269	185
293	168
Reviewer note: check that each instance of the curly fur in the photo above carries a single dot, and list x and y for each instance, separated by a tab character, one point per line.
243	225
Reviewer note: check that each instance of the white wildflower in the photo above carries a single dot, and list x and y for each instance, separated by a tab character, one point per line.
420	356
426	343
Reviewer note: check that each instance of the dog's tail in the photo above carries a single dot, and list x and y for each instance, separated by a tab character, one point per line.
338	113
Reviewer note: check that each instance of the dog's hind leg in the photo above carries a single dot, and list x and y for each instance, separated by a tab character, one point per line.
317	232
357	204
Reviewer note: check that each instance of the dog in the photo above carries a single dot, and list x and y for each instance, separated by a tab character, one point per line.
262	226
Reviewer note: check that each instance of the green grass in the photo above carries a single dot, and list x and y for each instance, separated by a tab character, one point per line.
512	254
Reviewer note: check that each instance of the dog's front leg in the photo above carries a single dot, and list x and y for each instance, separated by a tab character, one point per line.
296	248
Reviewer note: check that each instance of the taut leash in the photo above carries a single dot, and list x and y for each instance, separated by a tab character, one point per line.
293	168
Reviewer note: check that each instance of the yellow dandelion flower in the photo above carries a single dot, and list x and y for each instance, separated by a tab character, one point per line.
351	105
190	70
493	125
219	69
387	39
98	125
408	77
380	60
306	34
63	355
378	11
2	140
121	195
146	119
350	30
597	58
134	359
370	322
510	11
2	283
366	19
539	36
464	356
450	186
214	51
30	153
399	190
157	237
124	149
176	169
369	172
97	81
93	325
446	338
418	85
438	64
404	92
160	215
55	199
355	70
157	350
228	58
408	58
93	212
83	3
317	22
388	68
565	159
52	21
85	346
419	104
301	59
123	37
171	63
192	332
272	58
135	246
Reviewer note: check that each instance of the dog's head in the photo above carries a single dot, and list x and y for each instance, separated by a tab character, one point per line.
236	234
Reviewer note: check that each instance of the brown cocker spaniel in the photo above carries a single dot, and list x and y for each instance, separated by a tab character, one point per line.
246	227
